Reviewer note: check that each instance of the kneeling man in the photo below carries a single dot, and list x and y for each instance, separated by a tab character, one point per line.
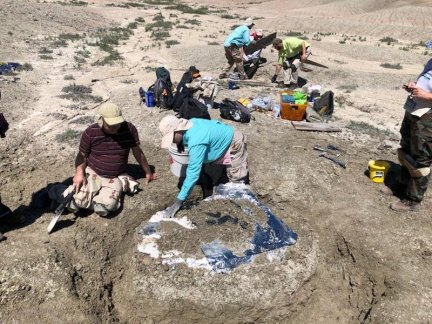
100	165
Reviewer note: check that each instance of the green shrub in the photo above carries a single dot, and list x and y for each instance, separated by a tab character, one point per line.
68	136
395	66
68	77
46	57
171	42
77	92
388	40
192	22
187	9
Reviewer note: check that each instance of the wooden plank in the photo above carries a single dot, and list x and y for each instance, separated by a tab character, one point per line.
264	42
317	127
254	83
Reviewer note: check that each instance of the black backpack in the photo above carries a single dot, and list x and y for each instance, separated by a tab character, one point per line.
163	82
182	92
162	101
234	110
324	104
192	108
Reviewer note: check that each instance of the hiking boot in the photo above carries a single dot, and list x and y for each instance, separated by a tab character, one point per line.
100	210
223	76
405	205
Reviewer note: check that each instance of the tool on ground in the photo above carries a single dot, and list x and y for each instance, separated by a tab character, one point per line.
315	64
59	210
328	150
334	160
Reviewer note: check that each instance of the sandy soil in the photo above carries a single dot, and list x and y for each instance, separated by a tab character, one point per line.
357	260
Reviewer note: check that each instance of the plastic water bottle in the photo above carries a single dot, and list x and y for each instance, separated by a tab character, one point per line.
276	111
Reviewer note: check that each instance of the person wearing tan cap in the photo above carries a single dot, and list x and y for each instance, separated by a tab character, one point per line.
100	165
208	141
233	45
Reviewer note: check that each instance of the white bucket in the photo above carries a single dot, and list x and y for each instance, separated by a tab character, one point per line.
178	161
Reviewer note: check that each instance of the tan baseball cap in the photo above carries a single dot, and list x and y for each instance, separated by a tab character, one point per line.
111	114
170	124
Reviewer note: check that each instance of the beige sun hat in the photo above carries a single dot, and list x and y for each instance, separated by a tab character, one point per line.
110	113
170	124
249	22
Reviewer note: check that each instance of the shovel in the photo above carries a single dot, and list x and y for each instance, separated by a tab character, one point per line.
59	211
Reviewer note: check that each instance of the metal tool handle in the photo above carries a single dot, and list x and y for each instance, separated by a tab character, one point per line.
339	162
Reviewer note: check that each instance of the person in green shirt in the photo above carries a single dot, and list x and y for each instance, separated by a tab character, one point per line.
292	52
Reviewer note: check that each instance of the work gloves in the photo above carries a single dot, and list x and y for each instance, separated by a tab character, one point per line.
273	79
172	210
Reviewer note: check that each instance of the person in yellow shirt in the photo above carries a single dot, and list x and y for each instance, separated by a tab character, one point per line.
292	52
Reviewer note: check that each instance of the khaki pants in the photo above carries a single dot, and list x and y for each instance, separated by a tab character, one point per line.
233	55
291	72
239	169
100	190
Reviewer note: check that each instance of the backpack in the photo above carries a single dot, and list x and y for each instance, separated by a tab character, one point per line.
324	105
234	110
163	82
182	92
162	73
192	108
158	88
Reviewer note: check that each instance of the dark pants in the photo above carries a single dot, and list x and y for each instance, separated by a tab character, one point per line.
416	141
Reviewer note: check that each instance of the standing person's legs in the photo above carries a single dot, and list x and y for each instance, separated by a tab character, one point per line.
421	152
238	171
290	71
238	59
229	64
417	160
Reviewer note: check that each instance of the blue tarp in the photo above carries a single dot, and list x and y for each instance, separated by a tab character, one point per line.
8	67
276	234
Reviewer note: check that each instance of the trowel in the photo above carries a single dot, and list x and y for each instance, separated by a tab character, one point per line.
59	211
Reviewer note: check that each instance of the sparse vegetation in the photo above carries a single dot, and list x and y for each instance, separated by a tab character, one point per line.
388	40
140	20
369	129
171	42
160	35
187	9
166	25
25	67
68	136
45	50
228	16
213	43
68	77
46	57
396	66
76	92
348	87
72	3
293	34
193	22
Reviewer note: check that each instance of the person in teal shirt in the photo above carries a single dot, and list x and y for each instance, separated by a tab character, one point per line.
233	45
292	52
208	141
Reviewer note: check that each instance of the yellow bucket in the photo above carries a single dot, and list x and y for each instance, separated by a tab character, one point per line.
378	170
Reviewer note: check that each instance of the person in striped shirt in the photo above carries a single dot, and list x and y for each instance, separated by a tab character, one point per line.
100	165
